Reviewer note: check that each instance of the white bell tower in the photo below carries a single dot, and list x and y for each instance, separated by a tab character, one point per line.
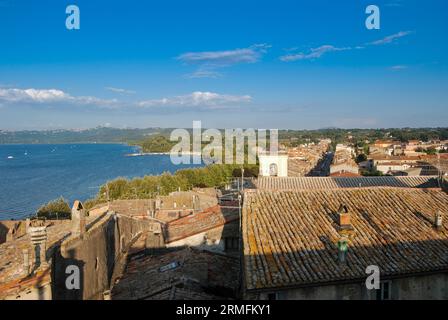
273	165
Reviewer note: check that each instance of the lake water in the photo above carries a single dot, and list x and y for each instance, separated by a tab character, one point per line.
31	175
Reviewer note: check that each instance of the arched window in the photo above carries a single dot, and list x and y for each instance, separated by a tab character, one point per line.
273	170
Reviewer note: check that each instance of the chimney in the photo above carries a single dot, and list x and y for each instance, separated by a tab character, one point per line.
342	249
38	236
344	217
27	224
196	204
78	219
26	262
438	220
158	204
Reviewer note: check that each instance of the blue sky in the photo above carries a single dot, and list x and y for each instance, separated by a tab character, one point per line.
265	64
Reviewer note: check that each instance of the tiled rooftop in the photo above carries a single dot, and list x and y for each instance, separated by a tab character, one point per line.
290	237
11	256
316	183
180	274
210	218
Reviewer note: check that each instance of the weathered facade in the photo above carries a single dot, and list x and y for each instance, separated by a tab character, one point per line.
215	229
95	250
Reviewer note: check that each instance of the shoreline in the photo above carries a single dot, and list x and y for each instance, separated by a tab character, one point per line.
17	208
141	154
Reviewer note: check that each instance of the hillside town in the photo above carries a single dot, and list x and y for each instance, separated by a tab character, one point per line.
381	157
307	227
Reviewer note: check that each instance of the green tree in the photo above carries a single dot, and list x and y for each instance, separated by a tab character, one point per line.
55	210
361	158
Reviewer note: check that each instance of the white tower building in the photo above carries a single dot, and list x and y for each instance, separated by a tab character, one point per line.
273	165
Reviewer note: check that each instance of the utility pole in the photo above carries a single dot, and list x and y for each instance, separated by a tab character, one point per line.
240	197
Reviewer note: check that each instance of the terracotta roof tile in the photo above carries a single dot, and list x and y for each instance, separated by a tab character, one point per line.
193	224
178	274
316	183
290	237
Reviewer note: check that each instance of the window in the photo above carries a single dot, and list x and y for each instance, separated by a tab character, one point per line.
384	293
273	170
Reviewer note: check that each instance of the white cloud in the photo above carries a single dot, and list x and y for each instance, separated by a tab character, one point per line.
198	99
201	100
120	90
318	52
209	61
104	103
399	67
204	74
32	95
41	96
221	57
314	53
391	38
227	57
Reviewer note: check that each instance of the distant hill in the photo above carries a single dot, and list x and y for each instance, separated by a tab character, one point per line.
96	135
157	139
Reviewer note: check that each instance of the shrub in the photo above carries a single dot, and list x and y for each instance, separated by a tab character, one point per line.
55	210
149	186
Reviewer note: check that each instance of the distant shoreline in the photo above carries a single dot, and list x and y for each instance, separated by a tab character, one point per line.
141	154
63	143
75	173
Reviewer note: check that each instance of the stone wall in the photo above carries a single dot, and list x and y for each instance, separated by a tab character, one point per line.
96	254
133	207
10	230
4	229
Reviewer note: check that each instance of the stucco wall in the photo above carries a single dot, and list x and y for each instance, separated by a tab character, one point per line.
280	160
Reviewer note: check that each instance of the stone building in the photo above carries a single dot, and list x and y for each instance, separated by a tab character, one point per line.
96	245
309	159
318	244
168	208
214	229
34	265
177	274
343	164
